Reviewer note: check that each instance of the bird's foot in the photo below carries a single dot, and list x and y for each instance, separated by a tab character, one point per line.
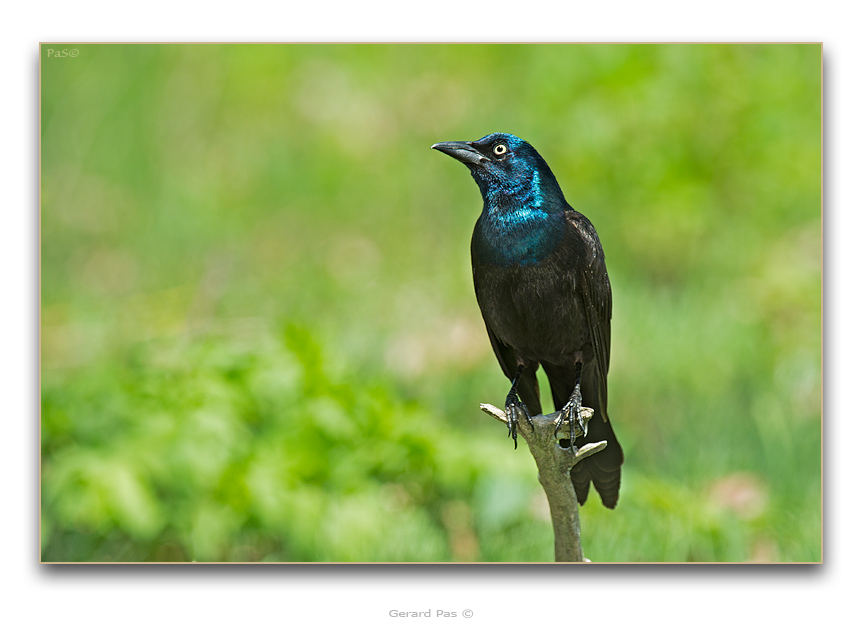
573	415
514	407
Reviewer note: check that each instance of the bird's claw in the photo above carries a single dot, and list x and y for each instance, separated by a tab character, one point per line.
513	408
571	414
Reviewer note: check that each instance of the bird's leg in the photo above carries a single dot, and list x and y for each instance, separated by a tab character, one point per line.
513	405
572	410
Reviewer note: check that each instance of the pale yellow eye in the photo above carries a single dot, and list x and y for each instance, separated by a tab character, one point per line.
500	149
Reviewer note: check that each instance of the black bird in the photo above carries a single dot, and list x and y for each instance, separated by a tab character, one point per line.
544	293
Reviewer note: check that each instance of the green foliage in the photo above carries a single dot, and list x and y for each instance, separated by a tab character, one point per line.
259	338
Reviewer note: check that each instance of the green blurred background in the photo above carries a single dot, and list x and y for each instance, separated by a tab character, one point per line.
259	339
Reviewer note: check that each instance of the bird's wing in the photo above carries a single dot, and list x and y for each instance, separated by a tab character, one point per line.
594	289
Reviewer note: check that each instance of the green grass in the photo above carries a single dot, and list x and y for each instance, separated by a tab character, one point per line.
260	341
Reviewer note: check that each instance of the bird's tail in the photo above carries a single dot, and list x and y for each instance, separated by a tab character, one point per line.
603	469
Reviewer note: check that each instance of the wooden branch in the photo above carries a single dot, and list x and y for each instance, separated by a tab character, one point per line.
555	464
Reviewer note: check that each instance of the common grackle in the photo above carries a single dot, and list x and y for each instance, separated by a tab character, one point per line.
544	293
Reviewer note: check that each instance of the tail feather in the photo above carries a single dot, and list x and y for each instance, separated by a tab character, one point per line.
603	469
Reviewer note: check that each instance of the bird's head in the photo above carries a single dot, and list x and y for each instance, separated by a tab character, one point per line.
506	168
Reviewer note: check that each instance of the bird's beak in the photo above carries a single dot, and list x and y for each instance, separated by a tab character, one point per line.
461	150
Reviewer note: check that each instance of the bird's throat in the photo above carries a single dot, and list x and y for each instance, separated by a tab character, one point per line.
519	236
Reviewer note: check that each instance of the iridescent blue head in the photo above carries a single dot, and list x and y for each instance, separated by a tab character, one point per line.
509	172
522	220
